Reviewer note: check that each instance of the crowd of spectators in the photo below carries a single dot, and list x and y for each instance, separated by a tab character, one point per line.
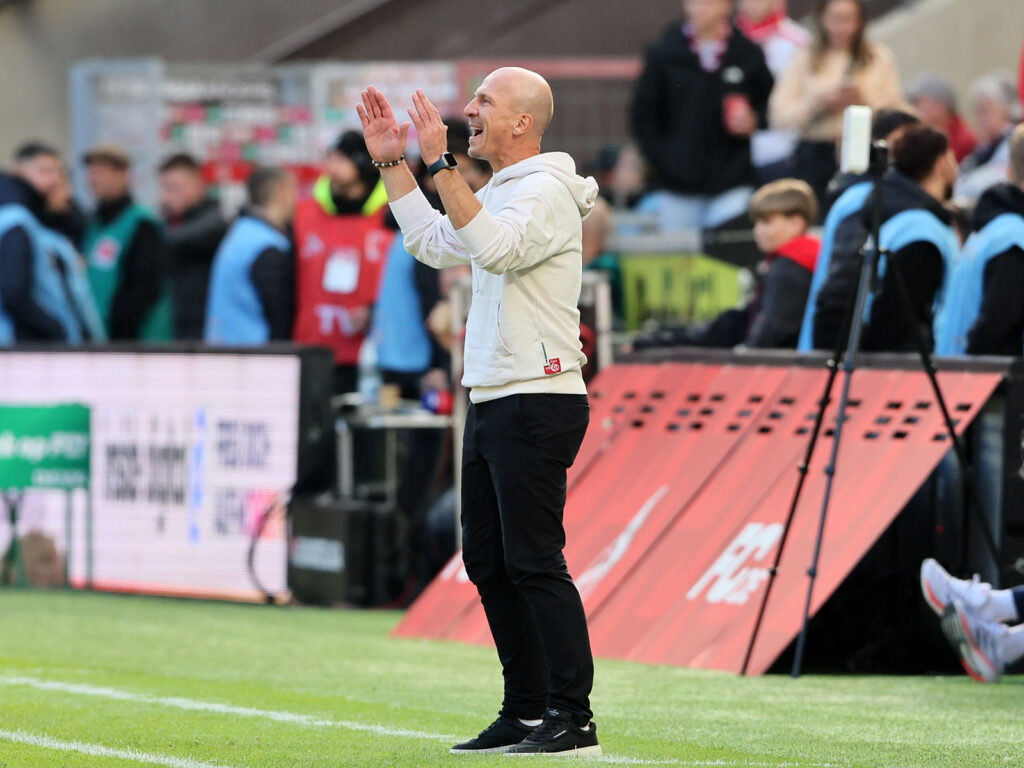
737	112
951	200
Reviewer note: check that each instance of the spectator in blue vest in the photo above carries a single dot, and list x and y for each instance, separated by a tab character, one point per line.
251	299
44	295
846	195
984	313
917	236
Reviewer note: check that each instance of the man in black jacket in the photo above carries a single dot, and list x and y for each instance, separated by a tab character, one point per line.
921	243
125	249
36	173
999	327
194	228
702	94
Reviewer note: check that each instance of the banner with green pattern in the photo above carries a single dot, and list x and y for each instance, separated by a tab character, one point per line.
44	447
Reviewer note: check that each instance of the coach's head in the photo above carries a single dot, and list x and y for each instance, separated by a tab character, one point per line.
508	116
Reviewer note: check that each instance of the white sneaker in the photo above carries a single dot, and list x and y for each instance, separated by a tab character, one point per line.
940	589
978	642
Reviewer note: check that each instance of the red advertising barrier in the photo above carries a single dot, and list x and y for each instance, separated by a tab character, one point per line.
676	506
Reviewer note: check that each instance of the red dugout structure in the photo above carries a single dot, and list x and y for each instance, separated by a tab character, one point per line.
680	492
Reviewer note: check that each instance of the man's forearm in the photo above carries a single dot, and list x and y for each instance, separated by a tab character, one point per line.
398	181
458	199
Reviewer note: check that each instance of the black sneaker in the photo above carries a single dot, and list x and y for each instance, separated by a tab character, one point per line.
499	736
559	734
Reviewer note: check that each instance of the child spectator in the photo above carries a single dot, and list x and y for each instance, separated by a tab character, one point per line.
782	212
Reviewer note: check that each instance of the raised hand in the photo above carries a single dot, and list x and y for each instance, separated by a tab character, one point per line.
430	128
385	138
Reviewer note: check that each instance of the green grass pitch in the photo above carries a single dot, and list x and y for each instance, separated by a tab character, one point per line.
92	680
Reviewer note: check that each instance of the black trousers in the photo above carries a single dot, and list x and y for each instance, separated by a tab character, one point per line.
515	456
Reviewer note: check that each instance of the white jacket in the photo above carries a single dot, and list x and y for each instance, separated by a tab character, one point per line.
525	248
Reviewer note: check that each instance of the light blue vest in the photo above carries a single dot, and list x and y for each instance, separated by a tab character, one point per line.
914	226
53	291
963	302
846	205
398	329
234	314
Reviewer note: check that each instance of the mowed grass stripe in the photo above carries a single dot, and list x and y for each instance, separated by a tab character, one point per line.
177	702
98	750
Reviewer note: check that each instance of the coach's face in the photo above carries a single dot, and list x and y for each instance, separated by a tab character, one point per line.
492	117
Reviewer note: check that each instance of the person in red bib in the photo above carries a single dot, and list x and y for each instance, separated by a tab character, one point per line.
341	243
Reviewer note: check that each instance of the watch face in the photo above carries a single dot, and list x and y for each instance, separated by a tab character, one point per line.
449	160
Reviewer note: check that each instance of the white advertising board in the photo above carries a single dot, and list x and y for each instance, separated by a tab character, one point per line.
188	452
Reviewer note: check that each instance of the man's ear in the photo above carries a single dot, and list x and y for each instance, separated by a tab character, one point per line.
522	125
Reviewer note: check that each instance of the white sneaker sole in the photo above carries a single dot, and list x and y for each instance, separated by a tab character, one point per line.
491	751
594	751
974	661
929	594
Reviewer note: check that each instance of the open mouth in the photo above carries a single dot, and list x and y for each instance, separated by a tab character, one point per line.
474	132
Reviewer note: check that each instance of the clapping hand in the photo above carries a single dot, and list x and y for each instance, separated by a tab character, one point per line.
430	128
385	138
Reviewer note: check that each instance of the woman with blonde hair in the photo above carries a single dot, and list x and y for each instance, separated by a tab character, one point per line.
840	68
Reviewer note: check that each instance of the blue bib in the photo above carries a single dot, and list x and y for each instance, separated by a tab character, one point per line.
846	205
963	301
915	226
60	284
402	340
234	313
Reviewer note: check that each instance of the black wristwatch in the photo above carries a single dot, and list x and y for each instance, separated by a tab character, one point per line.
447	160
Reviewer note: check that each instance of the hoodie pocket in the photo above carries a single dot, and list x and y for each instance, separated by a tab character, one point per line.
501	337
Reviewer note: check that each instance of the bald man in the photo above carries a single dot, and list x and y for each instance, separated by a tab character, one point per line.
522	235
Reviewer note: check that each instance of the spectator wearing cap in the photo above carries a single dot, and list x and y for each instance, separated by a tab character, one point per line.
702	94
44	291
194	227
933	96
995	110
840	68
125	251
767	23
341	242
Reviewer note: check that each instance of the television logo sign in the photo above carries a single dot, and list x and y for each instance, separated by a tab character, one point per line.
739	571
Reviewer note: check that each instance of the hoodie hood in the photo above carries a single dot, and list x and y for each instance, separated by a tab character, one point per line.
15	191
997	200
562	167
901	194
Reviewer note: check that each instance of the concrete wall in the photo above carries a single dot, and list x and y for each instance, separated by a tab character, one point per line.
961	39
40	39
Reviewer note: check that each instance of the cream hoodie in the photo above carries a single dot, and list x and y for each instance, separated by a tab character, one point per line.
525	248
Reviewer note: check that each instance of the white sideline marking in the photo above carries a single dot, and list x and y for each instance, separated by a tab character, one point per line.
98	750
194	705
296	718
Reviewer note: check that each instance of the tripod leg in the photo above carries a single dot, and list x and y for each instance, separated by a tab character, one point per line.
958	446
803	467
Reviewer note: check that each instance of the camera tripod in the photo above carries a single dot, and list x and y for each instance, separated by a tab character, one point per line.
846	349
